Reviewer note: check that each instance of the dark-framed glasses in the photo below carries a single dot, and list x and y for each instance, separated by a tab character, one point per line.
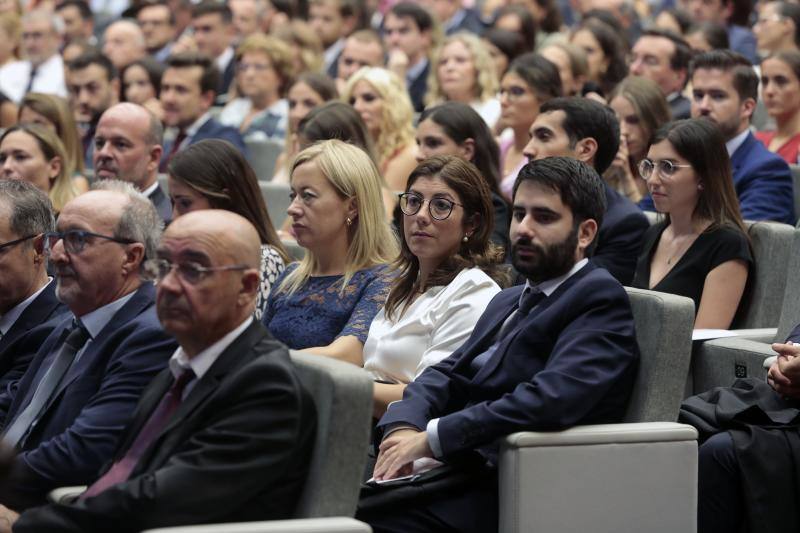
190	272
439	208
75	240
666	168
9	244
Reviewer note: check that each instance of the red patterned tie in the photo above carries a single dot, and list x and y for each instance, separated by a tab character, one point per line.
121	470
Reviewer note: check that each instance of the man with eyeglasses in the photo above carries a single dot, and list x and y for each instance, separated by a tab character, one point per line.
588	131
29	309
158	26
68	411
225	433
556	352
663	57
725	91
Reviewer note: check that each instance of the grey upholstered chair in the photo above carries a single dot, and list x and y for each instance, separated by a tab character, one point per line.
719	362
632	477
276	196
796	182
262	155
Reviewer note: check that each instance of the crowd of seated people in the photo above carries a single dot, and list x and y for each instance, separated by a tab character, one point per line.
148	299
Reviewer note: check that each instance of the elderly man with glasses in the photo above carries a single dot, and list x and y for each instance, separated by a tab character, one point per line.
225	433
68	411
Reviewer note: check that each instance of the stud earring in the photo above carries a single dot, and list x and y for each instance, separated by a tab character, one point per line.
465	239
349	222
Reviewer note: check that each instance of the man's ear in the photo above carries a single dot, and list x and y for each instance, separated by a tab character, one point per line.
585	150
251	282
748	107
207	100
134	257
586	234
155	156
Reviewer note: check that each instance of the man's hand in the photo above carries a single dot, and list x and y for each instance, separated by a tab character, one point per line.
7	519
784	374
398	451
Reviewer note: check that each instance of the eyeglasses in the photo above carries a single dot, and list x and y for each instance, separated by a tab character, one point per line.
192	273
75	240
666	168
439	208
258	67
9	244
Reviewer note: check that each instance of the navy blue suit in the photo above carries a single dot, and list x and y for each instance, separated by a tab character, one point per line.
743	40
79	428
572	360
418	88
23	339
471	23
680	107
763	183
620	236
162	203
211	129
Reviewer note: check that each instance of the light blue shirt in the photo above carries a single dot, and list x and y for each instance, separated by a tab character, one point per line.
95	321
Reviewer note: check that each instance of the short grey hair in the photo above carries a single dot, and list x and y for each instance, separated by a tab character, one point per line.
56	22
139	221
155	132
31	209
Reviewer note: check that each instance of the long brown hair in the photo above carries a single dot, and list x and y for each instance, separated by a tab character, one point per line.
476	198
218	171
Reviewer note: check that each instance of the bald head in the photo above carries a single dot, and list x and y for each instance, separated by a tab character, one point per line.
232	235
124	43
128	145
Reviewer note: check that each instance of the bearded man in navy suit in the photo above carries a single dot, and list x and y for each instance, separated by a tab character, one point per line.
553	353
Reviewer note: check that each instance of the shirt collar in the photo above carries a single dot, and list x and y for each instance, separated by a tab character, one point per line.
197	124
736	142
96	320
7	320
549	286
416	69
224	58
201	362
455	20
151	189
333	51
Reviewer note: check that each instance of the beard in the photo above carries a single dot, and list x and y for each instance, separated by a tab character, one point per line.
540	263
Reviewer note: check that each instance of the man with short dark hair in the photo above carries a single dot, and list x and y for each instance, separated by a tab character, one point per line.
720	11
408	31
454	17
93	85
78	21
212	23
127	147
333	21
158	26
557	352
237	443
725	91
27	294
588	131
663	57
68	412
363	48
188	88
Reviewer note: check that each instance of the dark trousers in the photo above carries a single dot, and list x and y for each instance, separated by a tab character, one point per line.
720	504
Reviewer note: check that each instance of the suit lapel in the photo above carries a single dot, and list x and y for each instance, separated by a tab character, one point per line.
38	312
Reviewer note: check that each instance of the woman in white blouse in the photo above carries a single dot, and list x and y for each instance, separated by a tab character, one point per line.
449	271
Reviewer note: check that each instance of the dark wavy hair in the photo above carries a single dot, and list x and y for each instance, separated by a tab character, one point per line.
477	252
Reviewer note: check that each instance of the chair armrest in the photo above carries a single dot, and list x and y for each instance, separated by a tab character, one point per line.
766	335
720	362
335	524
602	434
66	495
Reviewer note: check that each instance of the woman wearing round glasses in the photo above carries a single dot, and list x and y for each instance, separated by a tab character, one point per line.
701	249
449	271
326	302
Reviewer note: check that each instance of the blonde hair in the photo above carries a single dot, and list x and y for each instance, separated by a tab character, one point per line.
353	174
486	82
278	52
57	111
301	37
396	129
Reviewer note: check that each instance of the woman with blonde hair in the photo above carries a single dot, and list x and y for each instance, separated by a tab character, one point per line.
380	97
53	112
34	153
343	280
464	72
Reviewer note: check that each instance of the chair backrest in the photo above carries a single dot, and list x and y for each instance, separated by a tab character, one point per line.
262	155
296	252
162	181
343	397
790	310
772	247
664	332
796	182
276	196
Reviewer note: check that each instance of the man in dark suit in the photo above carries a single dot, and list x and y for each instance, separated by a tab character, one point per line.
214	35
454	17
588	131
236	447
725	90
663	57
333	21
67	413
188	88
741	38
27	295
557	352
128	147
408	31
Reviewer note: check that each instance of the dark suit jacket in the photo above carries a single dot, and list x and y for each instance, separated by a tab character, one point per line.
471	23
680	107
763	183
620	237
571	361
25	337
237	449
225	80
210	130
418	88
81	426
163	204
743	40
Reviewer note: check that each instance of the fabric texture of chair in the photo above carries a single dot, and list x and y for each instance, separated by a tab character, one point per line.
638	476
276	196
262	154
796	182
337	524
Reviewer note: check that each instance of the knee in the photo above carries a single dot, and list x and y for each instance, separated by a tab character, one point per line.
718	452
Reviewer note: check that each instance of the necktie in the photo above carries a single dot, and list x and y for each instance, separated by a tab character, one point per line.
19	428
528	300
121	470
30	81
176	144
